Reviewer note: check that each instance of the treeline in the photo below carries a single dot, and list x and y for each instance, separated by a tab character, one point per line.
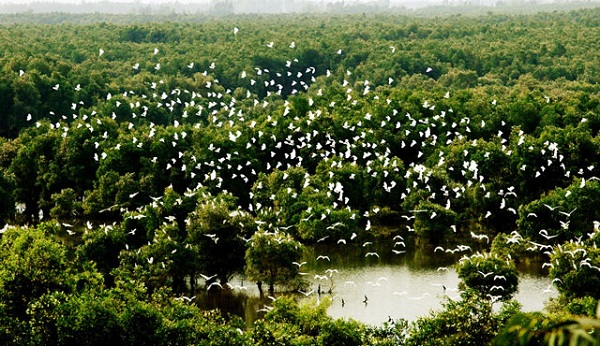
171	152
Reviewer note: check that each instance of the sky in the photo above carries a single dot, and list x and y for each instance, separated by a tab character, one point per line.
246	2
197	1
249	6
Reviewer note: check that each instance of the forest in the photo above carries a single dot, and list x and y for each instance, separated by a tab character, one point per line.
144	162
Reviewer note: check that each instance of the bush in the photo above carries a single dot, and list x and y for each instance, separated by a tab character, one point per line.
468	321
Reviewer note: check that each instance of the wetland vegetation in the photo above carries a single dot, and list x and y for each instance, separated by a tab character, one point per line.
144	162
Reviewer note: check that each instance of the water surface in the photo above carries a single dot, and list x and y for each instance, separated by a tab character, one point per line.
395	285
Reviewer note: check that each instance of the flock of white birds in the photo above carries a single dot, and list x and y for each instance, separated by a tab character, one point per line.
220	109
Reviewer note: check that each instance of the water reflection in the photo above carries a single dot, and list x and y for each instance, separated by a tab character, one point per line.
406	285
234	302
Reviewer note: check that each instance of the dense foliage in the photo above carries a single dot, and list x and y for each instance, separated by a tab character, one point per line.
144	162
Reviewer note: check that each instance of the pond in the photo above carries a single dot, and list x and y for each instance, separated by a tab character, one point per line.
395	285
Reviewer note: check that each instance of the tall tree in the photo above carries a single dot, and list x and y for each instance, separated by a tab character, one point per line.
269	259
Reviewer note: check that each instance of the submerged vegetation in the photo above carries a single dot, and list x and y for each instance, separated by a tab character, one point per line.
142	163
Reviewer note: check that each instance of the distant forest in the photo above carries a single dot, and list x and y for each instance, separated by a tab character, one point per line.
221	8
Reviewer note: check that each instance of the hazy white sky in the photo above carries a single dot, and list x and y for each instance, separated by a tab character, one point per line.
170	1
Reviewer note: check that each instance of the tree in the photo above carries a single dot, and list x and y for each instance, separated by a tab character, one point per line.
575	270
491	276
102	246
7	201
34	169
217	230
281	191
564	213
511	246
269	259
432	221
32	265
291	324
118	316
65	205
535	328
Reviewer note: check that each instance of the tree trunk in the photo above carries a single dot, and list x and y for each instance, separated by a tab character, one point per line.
192	284
260	291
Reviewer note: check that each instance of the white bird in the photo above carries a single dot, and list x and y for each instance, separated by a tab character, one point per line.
188	299
420	297
306	294
550	207
207	278
214	284
480	237
485	274
569	213
335	225
545	234
331	271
